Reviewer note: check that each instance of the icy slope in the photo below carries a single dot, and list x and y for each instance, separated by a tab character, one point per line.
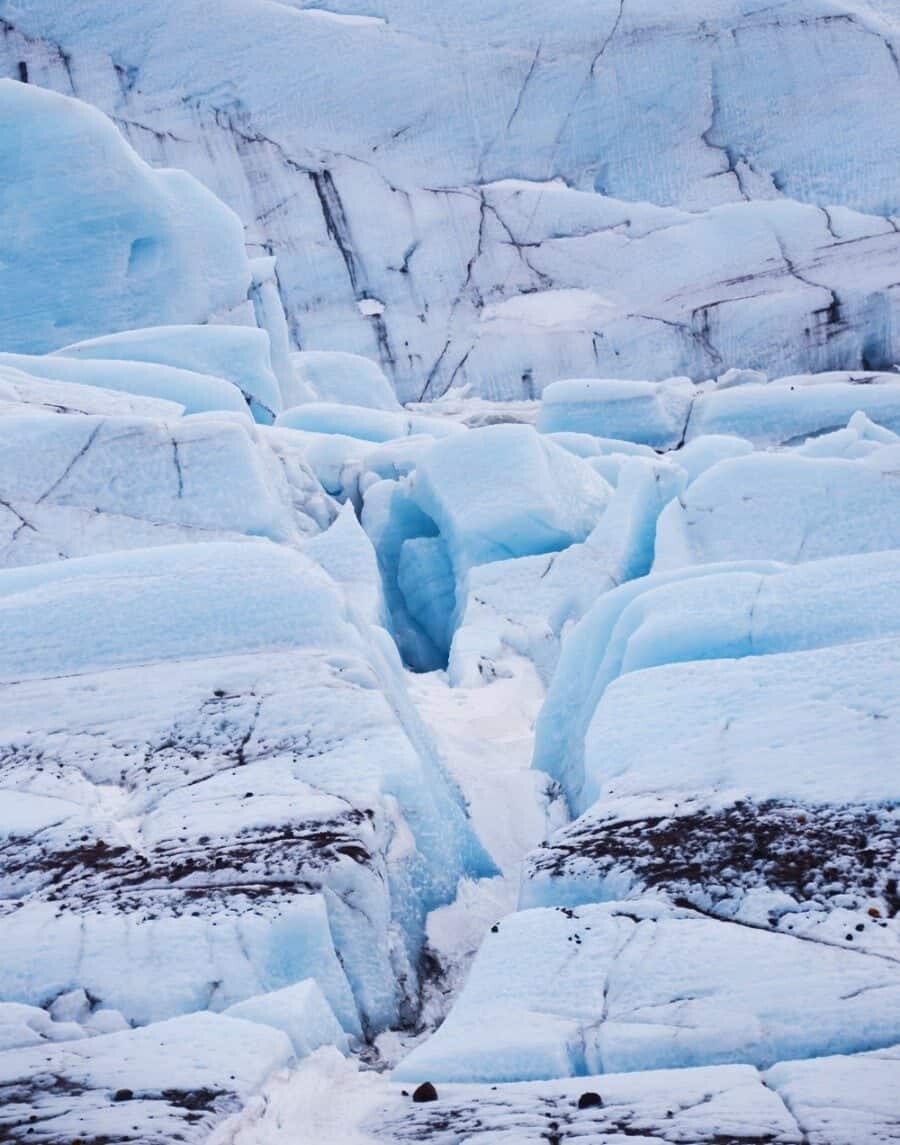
470	193
487	741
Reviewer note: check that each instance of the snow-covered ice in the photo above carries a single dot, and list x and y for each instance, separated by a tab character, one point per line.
565	992
449	572
783	507
708	612
167	1082
753	789
478	194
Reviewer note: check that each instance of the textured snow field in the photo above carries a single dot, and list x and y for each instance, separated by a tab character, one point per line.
830	1101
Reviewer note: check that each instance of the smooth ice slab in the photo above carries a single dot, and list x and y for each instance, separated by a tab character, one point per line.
503	491
193	392
629	987
709	612
642	412
157	604
783	507
791	409
21	392
370	423
331	376
240	354
302	1011
77	486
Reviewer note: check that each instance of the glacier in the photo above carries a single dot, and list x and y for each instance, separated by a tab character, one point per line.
449	572
636	191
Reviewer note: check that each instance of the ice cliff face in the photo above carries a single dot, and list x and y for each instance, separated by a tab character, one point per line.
471	195
540	748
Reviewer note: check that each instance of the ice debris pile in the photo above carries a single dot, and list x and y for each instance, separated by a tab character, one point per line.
251	606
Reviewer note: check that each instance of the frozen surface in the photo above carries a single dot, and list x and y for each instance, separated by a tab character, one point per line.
753	789
525	199
350	378
76	486
302	1011
634	411
473	498
239	354
784	507
707	613
842	1100
845	1100
522	606
210	759
21	392
154	604
794	408
504	492
597	989
94	240
279	653
364	421
195	393
171	1081
672	413
346	554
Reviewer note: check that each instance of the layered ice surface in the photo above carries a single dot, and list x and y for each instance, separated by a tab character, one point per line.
834	1100
762	646
193	807
240	354
668	414
192	391
705	612
755	790
171	1081
229	838
785	507
234	772
594	989
77	486
526	200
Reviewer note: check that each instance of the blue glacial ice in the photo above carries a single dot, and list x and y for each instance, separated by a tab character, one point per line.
457	580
